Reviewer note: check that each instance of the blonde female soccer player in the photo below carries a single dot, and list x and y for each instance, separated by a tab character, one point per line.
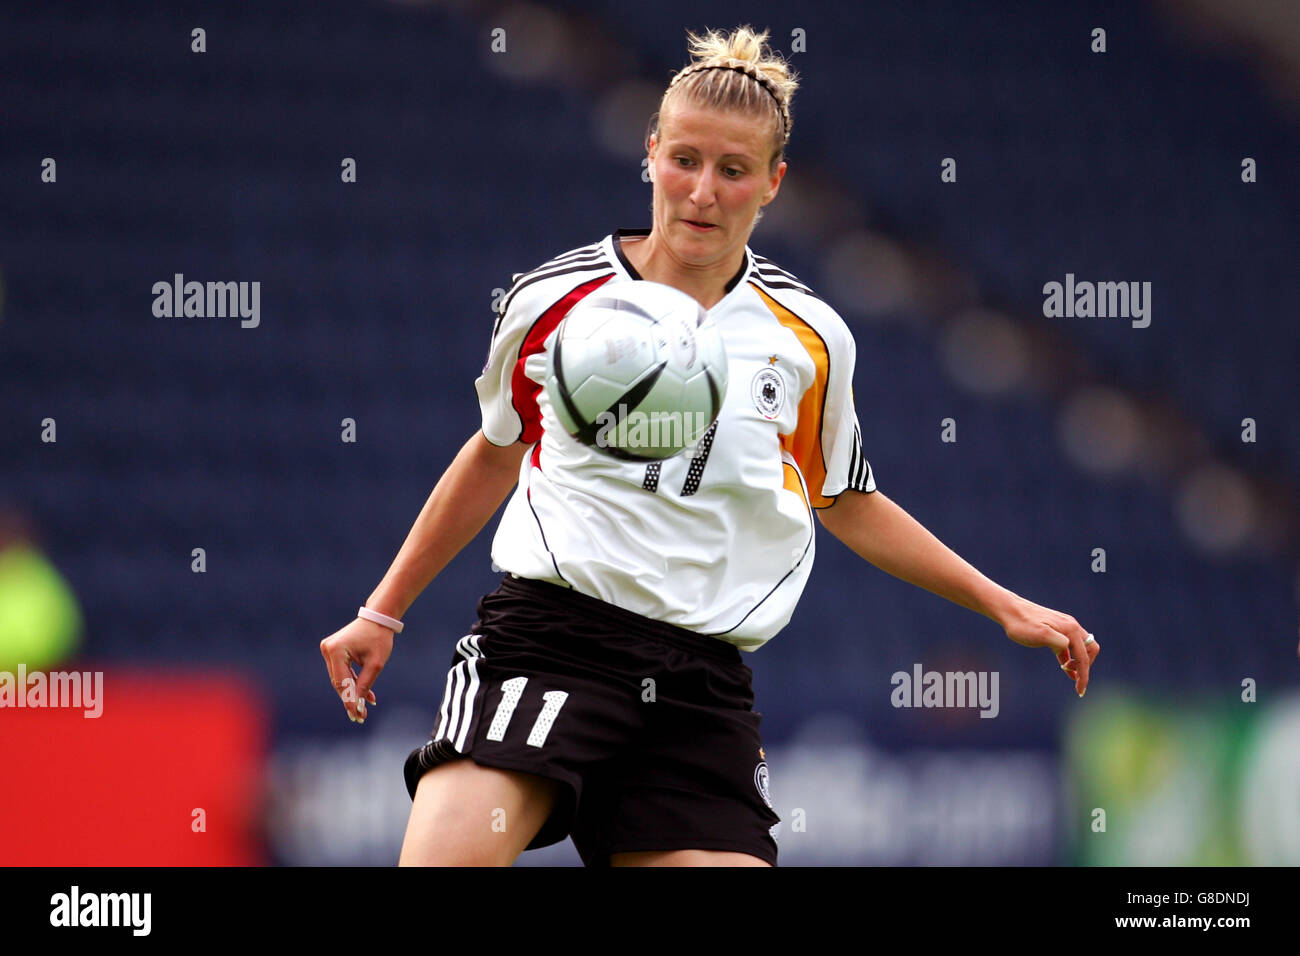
601	692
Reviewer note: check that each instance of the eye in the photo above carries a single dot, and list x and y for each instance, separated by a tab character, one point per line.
683	160
733	170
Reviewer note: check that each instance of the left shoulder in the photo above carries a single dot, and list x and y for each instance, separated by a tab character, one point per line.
793	294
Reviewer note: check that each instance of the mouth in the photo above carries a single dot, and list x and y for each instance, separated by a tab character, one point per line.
700	226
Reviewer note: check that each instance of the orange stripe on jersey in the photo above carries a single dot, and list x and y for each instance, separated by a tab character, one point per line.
523	390
805	443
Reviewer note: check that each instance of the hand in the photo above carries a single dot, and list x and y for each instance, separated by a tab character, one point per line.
364	643
1033	625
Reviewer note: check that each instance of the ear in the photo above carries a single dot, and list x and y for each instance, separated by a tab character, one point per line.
774	186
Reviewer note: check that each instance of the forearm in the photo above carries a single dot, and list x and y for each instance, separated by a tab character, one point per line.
881	532
465	497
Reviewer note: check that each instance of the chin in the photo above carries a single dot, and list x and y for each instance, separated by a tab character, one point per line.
716	237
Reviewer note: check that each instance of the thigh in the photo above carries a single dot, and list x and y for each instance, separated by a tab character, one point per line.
464	814
512	703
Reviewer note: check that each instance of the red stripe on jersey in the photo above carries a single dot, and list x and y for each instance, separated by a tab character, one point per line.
537	455
523	390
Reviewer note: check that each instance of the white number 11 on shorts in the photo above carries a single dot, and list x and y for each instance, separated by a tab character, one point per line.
511	691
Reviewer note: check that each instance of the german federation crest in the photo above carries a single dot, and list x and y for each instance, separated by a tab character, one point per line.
760	781
768	392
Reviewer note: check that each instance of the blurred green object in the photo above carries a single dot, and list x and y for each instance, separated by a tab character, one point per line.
1185	782
40	620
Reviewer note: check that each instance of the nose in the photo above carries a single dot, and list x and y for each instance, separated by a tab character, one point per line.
702	193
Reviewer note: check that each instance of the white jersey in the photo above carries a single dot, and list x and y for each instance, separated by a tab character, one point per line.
720	542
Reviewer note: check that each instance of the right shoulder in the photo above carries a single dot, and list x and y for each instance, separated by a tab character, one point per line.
532	292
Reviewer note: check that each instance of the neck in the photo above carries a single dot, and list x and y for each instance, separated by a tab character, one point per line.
654	262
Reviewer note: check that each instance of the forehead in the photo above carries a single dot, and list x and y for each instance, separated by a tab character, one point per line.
715	131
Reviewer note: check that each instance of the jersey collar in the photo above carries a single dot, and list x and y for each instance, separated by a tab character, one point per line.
631	270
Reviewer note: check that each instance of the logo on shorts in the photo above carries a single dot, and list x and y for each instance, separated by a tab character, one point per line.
760	781
768	392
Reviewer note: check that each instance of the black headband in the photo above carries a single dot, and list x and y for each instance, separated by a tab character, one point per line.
762	81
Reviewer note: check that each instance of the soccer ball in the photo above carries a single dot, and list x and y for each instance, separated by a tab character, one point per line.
637	370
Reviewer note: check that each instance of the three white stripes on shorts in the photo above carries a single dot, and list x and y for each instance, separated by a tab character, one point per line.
458	700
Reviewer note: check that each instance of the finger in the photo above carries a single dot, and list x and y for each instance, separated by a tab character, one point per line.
1093	648
368	675
339	662
336	664
1082	658
1064	649
353	700
1049	636
1060	644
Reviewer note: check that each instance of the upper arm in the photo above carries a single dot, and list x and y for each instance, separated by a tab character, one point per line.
844	513
499	458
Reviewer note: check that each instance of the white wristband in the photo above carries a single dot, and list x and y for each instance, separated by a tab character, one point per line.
384	619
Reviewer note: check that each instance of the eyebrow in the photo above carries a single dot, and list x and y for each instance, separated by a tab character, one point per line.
693	149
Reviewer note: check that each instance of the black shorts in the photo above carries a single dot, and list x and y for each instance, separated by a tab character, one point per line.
649	728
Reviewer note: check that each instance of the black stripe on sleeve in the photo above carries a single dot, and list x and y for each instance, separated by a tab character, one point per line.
599	265
768	283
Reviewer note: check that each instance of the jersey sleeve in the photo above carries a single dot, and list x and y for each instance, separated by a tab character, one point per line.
507	394
847	467
502	423
827	441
